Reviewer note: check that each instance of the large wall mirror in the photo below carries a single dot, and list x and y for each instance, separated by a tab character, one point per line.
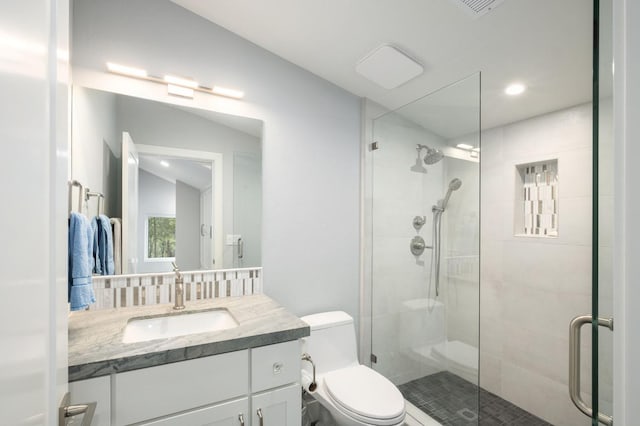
180	184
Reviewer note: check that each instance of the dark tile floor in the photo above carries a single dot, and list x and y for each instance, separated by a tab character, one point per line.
453	401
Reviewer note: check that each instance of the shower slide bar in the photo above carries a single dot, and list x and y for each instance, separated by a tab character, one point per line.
574	364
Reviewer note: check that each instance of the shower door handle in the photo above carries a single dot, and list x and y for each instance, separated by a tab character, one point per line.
574	364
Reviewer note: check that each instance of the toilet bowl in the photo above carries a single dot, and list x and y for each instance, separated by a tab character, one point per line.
354	394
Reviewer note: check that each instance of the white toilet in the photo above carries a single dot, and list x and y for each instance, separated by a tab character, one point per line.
354	394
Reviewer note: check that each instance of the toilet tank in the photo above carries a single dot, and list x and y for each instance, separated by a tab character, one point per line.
332	342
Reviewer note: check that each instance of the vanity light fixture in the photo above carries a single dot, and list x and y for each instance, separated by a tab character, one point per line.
464	146
185	92
178	86
179	81
515	89
231	93
125	70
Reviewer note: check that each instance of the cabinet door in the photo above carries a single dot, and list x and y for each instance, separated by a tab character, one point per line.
231	413
97	390
279	407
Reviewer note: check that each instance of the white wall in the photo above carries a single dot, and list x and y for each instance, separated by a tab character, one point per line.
156	196
533	287
311	136
187	227
33	225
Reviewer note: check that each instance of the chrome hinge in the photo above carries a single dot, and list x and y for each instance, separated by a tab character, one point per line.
374	359
374	146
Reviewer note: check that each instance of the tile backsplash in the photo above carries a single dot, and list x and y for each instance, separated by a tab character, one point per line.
119	291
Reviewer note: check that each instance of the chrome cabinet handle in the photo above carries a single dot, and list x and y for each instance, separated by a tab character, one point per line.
202	231
240	248
574	364
260	417
88	410
241	418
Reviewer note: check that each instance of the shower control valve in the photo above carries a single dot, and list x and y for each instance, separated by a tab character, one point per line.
418	245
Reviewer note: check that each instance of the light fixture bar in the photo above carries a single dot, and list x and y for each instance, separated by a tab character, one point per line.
231	93
175	85
125	70
185	92
179	81
464	146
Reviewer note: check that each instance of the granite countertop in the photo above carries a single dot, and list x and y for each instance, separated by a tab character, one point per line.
95	337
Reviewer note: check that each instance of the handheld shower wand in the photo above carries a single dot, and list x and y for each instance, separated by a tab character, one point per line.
437	210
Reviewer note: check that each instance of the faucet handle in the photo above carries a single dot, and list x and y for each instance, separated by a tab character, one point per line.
176	270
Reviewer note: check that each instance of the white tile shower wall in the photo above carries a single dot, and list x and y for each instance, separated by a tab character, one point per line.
400	290
119	291
531	288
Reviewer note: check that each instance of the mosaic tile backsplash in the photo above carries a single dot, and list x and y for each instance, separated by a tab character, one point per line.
119	291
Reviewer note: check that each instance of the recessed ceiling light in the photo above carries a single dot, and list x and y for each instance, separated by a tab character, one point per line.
123	69
515	89
164	163
464	146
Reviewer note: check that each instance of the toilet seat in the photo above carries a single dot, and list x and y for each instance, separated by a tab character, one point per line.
374	400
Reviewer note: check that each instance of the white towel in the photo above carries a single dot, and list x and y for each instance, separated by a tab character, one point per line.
117	244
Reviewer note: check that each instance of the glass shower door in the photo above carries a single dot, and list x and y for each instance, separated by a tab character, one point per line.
425	251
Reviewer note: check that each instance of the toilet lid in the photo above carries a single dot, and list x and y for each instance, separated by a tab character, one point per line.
365	392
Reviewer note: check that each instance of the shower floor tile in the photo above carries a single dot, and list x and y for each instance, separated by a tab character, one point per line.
453	401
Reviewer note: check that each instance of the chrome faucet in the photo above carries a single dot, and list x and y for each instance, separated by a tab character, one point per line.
179	286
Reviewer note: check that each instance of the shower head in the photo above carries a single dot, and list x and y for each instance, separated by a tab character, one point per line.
454	185
433	156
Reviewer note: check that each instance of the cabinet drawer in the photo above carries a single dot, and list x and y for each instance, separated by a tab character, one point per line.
275	365
158	391
280	407
227	414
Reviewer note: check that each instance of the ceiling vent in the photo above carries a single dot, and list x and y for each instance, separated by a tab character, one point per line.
388	67
477	8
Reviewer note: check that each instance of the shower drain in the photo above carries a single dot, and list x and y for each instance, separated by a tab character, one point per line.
467	414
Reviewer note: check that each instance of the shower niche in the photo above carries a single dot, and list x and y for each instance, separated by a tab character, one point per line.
536	206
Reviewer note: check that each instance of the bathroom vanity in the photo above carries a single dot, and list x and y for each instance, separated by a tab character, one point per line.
244	375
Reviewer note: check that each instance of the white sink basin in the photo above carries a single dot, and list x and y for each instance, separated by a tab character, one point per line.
173	325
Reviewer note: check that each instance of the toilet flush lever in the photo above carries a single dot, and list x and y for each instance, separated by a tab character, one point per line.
313	385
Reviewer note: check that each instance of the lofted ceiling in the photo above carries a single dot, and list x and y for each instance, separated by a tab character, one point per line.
545	44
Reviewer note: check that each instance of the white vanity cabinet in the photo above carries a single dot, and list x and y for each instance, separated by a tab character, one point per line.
219	390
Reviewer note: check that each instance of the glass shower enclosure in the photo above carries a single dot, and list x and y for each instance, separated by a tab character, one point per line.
424	246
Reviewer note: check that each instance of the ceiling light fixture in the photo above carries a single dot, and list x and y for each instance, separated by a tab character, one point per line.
178	86
515	89
164	163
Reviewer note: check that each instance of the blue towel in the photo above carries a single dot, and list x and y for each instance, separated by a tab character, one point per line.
96	266
104	261
80	262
